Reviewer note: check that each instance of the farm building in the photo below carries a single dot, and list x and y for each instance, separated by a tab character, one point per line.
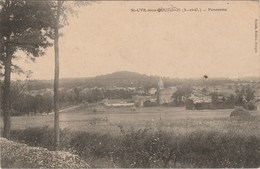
257	106
118	103
139	100
200	99
257	94
165	95
152	91
198	102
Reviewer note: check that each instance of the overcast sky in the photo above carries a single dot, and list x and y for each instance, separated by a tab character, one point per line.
107	37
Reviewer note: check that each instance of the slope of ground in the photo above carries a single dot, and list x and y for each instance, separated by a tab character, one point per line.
16	155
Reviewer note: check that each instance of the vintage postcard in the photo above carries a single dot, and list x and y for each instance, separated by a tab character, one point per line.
129	84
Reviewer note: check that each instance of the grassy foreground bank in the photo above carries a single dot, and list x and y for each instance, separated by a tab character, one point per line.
17	155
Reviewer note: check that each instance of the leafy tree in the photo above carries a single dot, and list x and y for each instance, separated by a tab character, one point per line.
249	94
118	94
77	93
36	104
96	95
231	99
25	26
246	94
180	93
18	89
24	105
214	97
204	90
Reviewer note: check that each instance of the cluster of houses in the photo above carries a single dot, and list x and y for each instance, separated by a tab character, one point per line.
157	96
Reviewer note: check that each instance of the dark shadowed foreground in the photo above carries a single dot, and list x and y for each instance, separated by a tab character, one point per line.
16	155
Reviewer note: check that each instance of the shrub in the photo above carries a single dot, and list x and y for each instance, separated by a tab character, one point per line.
213	149
144	148
89	144
148	103
189	105
251	106
240	112
41	137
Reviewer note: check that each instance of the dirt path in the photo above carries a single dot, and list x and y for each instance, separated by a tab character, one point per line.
66	109
69	108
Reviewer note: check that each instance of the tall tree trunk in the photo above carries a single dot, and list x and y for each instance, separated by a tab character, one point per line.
56	81
6	95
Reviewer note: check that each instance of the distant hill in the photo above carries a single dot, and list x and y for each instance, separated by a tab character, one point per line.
122	75
119	79
128	79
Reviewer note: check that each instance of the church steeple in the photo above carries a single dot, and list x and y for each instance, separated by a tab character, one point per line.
160	84
159	88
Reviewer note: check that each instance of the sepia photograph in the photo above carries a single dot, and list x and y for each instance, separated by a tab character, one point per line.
129	84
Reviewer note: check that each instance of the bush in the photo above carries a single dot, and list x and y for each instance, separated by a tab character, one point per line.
148	103
144	148
36	104
240	112
88	144
214	149
147	148
41	137
189	105
251	106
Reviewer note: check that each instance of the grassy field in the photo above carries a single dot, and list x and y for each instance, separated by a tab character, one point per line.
170	119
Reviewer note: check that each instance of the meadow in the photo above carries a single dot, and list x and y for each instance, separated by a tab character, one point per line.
169	119
149	137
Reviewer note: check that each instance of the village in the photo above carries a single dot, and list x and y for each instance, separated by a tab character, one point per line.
197	97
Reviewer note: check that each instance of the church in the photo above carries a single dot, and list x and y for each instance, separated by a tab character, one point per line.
164	95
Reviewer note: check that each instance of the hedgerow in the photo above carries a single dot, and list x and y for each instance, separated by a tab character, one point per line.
148	148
